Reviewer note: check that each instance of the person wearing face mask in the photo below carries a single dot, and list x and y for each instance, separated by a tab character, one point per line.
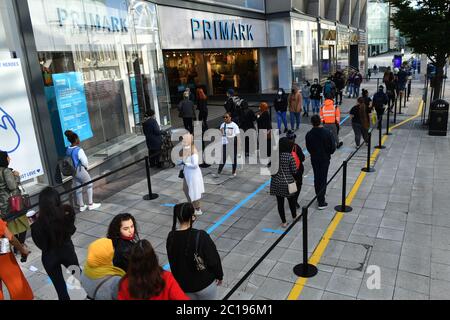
281	104
295	107
182	245
316	91
306	92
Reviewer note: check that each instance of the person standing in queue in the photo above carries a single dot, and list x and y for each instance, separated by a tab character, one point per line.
247	122
230	132
52	233
81	164
306	92
299	158
193	185
316	92
331	117
202	107
187	112
9	186
360	121
280	104
10	273
183	244
320	145
379	100
265	123
295	107
153	138
280	181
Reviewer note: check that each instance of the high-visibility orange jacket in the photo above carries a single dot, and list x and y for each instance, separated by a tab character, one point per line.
329	113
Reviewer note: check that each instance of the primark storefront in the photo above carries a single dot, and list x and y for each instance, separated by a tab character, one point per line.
92	66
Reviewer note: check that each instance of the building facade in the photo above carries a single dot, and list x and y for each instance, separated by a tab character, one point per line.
97	66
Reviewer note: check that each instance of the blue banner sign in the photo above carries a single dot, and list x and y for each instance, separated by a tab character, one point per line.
72	105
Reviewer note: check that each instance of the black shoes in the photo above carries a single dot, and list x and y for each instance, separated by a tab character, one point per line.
340	144
322	206
298	206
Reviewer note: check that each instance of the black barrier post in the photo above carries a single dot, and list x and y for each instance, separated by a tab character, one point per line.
395	110
380	128
150	195
343	207
304	269
387	122
368	168
404	99
399	104
378	83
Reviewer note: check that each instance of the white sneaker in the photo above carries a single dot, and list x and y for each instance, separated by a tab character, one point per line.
215	175
198	212
234	174
94	206
83	208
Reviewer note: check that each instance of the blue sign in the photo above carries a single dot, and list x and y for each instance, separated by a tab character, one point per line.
222	30
134	98
72	105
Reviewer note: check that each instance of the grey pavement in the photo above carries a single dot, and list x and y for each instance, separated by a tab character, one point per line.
399	223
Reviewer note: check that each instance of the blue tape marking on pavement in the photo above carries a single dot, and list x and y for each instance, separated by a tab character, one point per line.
237	207
345	119
272	231
230	213
168	205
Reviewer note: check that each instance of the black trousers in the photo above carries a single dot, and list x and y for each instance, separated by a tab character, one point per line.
320	168
188	125
153	156
292	205
52	261
339	97
203	117
224	155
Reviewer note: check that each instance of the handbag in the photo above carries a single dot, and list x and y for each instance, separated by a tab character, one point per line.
374	118
181	173
198	260
20	201
292	187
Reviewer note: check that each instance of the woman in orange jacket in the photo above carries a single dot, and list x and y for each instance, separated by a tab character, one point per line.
10	272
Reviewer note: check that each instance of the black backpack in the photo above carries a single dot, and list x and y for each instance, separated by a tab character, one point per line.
67	165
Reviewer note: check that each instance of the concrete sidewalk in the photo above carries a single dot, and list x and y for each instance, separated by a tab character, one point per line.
398	223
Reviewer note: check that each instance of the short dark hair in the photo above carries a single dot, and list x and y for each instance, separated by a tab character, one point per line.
4	159
150	113
71	136
315	120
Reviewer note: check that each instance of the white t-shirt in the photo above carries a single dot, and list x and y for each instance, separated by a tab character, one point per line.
231	130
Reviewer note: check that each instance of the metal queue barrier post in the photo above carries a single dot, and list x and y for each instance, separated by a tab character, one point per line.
388	121
150	195
395	110
343	207
380	128
368	168
304	269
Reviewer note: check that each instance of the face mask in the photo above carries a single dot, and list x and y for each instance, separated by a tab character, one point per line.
280	93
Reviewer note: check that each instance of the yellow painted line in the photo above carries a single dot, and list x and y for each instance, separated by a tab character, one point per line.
321	247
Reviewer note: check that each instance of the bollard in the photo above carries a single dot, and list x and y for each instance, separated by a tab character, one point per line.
304	269
368	168
399	105
404	98
380	128
150	195
378	83
395	110
387	122
343	207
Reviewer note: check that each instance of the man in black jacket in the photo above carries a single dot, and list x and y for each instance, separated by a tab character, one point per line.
379	100
153	138
320	145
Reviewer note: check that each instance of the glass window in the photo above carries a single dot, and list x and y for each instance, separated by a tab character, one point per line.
304	50
378	23
343	42
102	68
253	5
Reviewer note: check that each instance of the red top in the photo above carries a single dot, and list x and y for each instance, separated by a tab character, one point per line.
171	291
3	227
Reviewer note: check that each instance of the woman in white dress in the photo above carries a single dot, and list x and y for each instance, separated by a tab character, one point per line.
193	186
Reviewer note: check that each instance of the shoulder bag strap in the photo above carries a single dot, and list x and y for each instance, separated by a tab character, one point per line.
99	285
197	240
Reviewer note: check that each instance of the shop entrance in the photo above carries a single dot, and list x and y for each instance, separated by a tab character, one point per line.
354	54
216	70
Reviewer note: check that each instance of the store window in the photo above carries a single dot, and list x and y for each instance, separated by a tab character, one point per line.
343	47
327	50
102	67
304	50
217	71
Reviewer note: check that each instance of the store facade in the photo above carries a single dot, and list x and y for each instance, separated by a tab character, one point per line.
91	66
212	50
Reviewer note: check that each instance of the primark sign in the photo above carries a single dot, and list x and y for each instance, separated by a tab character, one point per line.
204	30
91	21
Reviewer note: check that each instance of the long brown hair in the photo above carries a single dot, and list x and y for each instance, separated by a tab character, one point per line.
144	272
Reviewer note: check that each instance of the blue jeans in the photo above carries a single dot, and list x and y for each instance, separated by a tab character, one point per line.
281	116
356	91
295	118
315	104
350	90
306	104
